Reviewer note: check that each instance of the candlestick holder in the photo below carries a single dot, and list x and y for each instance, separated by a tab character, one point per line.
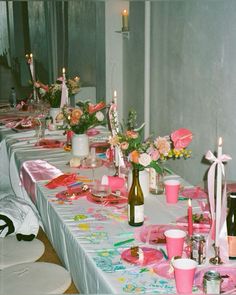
216	260
116	170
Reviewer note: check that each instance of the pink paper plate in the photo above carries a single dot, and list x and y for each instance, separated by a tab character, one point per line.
202	227
155	233
92	132
227	275
194	193
164	270
107	200
149	256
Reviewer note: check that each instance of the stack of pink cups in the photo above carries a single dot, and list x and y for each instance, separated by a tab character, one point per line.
184	268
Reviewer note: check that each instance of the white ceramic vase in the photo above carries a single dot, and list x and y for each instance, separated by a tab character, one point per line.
53	113
80	145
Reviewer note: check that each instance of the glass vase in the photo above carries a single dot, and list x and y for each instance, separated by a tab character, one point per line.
156	182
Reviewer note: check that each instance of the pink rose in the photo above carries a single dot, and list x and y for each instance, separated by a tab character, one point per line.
132	134
181	138
163	145
124	145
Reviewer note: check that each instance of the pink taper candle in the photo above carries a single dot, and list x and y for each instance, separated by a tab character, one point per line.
190	218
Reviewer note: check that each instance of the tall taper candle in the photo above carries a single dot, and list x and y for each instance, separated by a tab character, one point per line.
218	193
190	218
125	20
64	73
32	66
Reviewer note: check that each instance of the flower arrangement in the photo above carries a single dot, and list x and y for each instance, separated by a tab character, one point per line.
152	153
83	117
52	93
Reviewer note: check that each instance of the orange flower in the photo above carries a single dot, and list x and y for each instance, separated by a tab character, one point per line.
76	114
134	156
132	134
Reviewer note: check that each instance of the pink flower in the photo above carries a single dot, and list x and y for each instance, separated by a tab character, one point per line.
145	159
163	145
132	134
124	145
155	155
181	138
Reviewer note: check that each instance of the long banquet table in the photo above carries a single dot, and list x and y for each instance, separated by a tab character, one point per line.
85	234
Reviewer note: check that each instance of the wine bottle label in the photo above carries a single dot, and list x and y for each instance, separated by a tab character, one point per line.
152	178
232	246
138	213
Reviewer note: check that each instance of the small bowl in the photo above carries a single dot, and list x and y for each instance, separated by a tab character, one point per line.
100	190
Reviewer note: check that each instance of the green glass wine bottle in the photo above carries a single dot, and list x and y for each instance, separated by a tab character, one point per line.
135	201
231	226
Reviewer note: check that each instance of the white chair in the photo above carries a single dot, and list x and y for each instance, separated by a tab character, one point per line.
34	278
14	252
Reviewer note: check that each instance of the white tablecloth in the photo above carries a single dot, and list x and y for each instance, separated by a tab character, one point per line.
84	233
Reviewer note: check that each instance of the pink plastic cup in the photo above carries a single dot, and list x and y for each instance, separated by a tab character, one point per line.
174	242
184	270
115	182
172	190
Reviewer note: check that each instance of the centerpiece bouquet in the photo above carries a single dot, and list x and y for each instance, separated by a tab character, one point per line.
152	152
83	117
52	93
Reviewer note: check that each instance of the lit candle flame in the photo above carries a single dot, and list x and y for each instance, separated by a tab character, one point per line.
220	141
189	203
125	12
31	55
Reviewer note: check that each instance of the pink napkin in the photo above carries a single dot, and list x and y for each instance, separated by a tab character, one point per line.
50	143
62	180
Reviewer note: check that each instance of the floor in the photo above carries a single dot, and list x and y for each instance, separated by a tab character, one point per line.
51	256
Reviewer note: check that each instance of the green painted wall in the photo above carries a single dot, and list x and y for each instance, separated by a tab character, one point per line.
193	69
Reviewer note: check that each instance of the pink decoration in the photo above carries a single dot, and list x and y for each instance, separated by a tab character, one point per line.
181	138
35	170
190	218
114	182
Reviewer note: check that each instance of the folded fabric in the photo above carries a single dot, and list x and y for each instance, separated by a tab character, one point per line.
17	217
49	143
35	170
62	180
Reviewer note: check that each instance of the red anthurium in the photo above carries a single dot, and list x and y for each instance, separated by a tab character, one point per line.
96	107
181	138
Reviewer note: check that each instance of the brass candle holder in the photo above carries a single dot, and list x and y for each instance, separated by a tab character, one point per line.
216	260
